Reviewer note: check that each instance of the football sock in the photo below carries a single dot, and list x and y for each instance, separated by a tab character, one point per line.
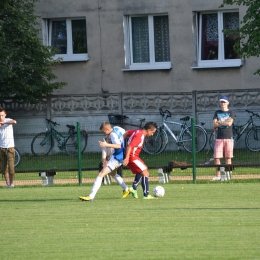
120	181
95	187
145	186
137	180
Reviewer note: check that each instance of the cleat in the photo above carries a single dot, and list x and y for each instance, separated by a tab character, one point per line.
149	197
125	194
134	193
86	198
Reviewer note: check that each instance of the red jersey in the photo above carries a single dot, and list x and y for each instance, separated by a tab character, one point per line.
136	141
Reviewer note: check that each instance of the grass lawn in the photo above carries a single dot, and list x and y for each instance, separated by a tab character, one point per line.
192	221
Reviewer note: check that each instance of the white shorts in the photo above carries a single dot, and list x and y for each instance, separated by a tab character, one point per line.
113	164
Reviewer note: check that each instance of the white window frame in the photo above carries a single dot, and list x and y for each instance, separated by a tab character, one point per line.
221	61
152	65
47	32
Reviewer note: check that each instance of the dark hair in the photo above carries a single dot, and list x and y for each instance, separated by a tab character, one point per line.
2	110
150	126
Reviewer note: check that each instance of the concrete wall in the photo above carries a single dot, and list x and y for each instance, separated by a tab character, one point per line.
107	57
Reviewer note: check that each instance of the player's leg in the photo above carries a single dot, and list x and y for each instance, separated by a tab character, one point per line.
110	168
120	171
121	182
137	180
145	185
114	164
96	185
139	167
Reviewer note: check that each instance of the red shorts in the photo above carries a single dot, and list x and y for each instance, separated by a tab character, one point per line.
136	165
223	146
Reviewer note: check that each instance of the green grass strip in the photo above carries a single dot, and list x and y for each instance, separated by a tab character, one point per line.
198	221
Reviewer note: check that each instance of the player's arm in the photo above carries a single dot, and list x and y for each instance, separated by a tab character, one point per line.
105	144
126	134
127	155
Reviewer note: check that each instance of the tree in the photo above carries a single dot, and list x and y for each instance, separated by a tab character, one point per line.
249	44
26	65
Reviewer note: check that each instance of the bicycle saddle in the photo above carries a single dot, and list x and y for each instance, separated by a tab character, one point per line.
186	118
72	127
140	119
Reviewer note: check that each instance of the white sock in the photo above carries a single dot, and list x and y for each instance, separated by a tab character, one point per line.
120	181
95	187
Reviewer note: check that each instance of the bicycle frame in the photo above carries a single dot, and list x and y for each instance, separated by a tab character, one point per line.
244	127
182	125
60	138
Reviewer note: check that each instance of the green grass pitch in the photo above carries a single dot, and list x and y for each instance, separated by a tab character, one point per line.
192	221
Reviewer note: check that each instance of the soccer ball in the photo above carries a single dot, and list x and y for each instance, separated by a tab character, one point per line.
158	191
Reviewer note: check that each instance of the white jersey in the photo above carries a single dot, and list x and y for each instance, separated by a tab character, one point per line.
6	135
117	137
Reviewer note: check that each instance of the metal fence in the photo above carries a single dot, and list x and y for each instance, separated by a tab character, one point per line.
62	168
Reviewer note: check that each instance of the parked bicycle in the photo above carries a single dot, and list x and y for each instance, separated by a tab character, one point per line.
116	119
43	142
158	142
252	139
17	158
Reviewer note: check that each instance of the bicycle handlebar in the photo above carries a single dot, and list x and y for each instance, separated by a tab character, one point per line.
254	114
166	112
49	121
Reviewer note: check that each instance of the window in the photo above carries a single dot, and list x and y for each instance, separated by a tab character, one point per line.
68	36
147	44
215	48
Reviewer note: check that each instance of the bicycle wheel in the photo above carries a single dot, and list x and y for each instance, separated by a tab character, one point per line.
200	138
153	144
41	144
253	139
165	139
71	144
212	140
17	157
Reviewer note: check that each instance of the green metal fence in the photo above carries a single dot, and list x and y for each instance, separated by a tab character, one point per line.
82	168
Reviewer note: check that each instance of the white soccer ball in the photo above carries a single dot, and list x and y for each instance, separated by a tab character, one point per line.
158	191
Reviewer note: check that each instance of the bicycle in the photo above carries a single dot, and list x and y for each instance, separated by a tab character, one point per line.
252	139
158	142
17	158
116	119
43	142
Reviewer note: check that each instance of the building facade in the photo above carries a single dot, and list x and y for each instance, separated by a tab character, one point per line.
145	46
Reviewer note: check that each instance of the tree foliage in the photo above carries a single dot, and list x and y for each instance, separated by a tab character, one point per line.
26	65
249	44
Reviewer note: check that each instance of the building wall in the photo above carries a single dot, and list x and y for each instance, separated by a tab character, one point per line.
103	70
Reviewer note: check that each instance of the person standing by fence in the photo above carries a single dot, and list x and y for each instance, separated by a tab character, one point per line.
7	152
224	144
